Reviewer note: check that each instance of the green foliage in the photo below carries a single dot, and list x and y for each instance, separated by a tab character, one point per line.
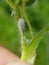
8	32
5	6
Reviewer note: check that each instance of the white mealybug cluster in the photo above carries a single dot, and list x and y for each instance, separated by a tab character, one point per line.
21	24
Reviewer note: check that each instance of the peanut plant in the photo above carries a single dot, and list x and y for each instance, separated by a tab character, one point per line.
28	49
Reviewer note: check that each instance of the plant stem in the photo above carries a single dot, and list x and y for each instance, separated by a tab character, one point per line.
15	8
23	44
26	18
31	48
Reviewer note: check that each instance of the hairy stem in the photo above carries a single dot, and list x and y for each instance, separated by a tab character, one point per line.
26	18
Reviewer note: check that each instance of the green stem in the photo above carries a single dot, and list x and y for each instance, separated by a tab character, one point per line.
23	44
26	18
31	48
15	8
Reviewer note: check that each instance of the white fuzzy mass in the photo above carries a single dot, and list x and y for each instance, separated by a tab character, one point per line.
21	24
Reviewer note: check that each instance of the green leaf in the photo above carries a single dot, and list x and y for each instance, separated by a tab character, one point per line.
41	58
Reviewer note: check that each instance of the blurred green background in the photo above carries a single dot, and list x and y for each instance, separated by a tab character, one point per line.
38	14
